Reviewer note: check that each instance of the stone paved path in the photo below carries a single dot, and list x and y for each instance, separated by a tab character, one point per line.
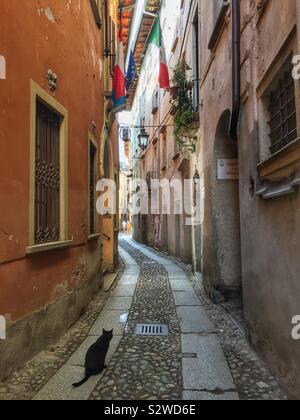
204	370
189	363
146	368
186	364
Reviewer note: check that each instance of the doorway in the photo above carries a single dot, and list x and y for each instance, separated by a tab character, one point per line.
226	212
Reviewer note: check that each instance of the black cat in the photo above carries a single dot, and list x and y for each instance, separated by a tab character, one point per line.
95	357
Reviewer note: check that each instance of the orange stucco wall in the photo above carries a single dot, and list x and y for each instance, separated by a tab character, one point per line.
36	36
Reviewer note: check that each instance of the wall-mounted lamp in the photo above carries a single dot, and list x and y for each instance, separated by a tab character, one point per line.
143	138
196	177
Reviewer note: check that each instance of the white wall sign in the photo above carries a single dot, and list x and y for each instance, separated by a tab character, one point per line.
227	169
2	68
2	328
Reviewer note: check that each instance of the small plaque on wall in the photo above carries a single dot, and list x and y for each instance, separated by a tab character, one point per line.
227	169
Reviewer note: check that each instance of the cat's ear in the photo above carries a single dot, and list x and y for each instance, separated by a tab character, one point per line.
103	331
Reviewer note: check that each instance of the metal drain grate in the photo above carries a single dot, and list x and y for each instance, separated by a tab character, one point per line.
152	330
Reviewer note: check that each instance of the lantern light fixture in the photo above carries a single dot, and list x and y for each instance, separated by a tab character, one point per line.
143	138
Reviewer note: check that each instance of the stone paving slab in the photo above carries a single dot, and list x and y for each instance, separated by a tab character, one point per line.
209	396
186	299
126	290
131	272
128	280
109	320
119	303
194	320
181	285
60	386
130	275
210	370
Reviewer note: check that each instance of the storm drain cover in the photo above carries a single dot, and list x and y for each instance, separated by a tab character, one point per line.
152	329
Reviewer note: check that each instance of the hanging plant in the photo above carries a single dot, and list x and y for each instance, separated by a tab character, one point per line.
182	100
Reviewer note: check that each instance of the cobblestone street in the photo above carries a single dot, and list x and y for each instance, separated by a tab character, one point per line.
205	356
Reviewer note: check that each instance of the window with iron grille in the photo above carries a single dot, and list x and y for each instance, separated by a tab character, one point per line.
47	175
92	176
112	45
283	120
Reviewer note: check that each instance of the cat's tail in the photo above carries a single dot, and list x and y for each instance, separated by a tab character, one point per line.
79	384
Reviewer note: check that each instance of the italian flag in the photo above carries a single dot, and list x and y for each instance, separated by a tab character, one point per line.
156	39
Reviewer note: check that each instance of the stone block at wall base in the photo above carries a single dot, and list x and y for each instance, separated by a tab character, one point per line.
31	335
279	368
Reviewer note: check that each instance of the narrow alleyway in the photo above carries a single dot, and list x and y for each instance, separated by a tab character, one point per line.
188	363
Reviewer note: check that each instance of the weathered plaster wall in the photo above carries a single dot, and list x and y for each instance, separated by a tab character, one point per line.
270	230
38	36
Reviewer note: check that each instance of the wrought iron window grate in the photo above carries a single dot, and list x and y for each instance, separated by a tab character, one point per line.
47	176
283	121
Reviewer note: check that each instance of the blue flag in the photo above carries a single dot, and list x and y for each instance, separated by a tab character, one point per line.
131	70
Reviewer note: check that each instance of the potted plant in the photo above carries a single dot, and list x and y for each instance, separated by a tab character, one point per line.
185	128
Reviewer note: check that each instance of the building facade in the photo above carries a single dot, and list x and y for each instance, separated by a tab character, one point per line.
251	226
163	159
58	137
239	56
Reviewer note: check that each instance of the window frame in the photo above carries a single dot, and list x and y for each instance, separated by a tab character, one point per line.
47	198
218	12
39	94
280	164
112	45
280	90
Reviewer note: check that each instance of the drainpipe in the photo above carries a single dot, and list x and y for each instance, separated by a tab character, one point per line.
236	68
107	46
298	23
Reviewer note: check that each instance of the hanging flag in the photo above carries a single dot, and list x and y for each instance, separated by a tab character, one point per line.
119	83
131	71
156	39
